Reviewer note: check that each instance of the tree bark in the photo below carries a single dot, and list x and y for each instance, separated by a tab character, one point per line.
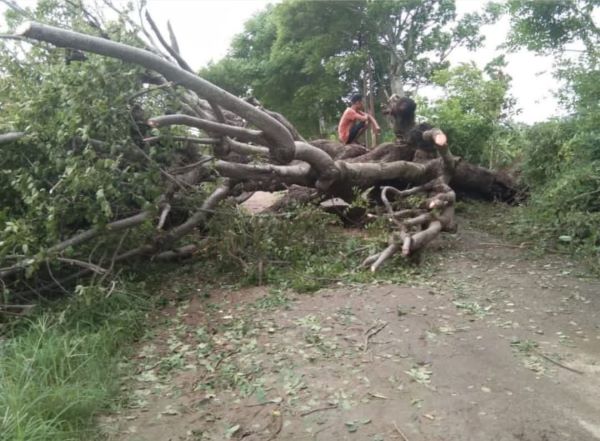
271	155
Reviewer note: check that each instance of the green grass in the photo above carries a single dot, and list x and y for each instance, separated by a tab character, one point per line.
60	369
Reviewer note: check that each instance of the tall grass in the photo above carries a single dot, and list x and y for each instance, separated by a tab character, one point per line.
60	369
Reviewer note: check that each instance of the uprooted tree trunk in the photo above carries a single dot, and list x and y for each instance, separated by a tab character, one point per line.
255	149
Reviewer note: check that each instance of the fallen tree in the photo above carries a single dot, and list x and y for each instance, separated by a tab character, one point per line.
253	149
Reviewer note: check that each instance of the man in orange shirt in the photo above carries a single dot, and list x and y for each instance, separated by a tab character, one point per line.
354	121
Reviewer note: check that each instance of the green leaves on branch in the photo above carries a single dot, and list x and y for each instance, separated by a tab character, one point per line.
474	112
546	26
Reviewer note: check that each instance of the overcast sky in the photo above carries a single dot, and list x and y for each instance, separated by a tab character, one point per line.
205	28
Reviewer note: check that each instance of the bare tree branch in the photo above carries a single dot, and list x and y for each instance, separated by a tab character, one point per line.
240	133
175	54
200	216
207	141
173	38
290	174
5	138
82	237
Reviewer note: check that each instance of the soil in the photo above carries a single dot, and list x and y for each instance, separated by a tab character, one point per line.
492	344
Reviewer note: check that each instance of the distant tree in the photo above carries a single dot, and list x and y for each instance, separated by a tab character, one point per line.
550	26
301	58
474	111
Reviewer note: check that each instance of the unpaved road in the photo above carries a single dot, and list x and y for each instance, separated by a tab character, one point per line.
493	346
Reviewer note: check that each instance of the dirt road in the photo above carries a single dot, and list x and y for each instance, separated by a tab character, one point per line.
494	345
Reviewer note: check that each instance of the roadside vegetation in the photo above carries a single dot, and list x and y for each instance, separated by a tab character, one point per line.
60	367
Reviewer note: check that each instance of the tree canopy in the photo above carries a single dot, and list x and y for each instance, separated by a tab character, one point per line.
302	58
550	26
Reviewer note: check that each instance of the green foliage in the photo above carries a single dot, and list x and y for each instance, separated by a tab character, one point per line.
474	112
58	371
47	175
302	58
78	166
545	26
547	146
562	157
562	167
303	250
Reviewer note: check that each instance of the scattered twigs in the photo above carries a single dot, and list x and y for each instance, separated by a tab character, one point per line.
371	332
86	265
557	363
504	245
378	396
279	425
404	437
319	409
264	403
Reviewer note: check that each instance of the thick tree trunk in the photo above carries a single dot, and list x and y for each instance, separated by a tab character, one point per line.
269	154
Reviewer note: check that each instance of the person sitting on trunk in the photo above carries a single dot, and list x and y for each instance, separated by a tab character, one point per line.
354	121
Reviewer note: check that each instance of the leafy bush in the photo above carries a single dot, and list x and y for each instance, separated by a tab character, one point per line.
546	148
81	163
562	167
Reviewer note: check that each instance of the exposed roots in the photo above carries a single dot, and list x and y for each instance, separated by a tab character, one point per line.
416	227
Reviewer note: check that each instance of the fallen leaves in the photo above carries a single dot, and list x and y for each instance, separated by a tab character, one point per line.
420	374
354	425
